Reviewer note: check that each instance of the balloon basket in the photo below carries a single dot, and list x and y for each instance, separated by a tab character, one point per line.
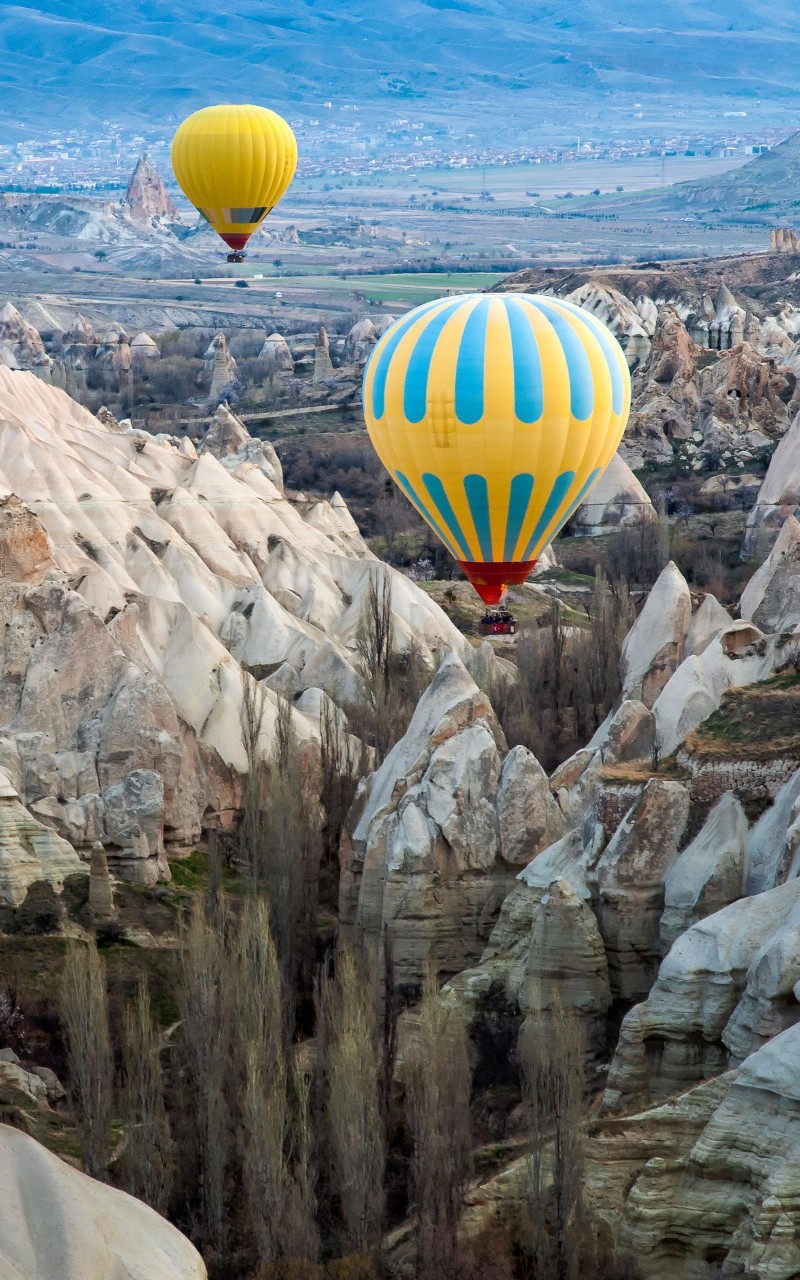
236	256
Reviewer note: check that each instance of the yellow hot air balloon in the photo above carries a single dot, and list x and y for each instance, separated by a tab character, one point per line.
496	415
234	163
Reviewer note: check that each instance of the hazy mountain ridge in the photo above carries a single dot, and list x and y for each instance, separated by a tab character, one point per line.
76	52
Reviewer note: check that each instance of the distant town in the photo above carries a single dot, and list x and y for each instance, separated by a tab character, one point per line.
348	141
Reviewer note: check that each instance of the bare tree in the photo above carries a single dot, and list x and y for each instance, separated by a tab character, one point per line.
393	682
355	1120
251	832
375	639
300	1232
551	1057
340	770
204	1040
289	861
438	1090
255	1000
147	1159
84	1006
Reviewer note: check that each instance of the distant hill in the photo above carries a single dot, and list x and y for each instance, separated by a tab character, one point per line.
147	58
764	189
769	183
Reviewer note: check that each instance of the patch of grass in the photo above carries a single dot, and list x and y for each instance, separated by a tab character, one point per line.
761	722
191	874
489	1160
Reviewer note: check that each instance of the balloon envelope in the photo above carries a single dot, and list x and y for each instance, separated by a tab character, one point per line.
496	414
234	163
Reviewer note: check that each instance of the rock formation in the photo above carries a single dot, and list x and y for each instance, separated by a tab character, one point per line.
360	341
148	574
21	345
221	367
101	893
778	497
146	195
628	882
732	1194
632	330
653	648
771	598
435	834
732	407
31	851
277	356
323	368
783	240
57	1224
617	500
115	350
723	989
709	873
144	351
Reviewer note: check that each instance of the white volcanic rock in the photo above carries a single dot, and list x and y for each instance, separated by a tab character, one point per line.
773	843
626	735
29	851
57	1224
709	620
740	655
21	345
617	500
654	646
778	497
771	598
724	987
546	943
528	815
360	340
709	873
221	368
146	195
421	854
231	444
733	1195
144	351
277	355
619	314
628	882
131	598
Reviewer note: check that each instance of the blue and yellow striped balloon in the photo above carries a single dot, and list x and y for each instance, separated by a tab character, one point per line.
496	414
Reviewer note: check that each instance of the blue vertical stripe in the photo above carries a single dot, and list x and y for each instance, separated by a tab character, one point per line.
608	343
528	385
477	491
415	388
442	503
519	500
471	366
422	507
577	502
384	359
581	383
560	491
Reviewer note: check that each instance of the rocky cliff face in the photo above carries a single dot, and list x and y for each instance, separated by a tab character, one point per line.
137	579
437	833
713	363
146	195
649	897
60	1225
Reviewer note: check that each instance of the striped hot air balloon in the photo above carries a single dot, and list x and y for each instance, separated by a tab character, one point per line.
234	163
495	415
